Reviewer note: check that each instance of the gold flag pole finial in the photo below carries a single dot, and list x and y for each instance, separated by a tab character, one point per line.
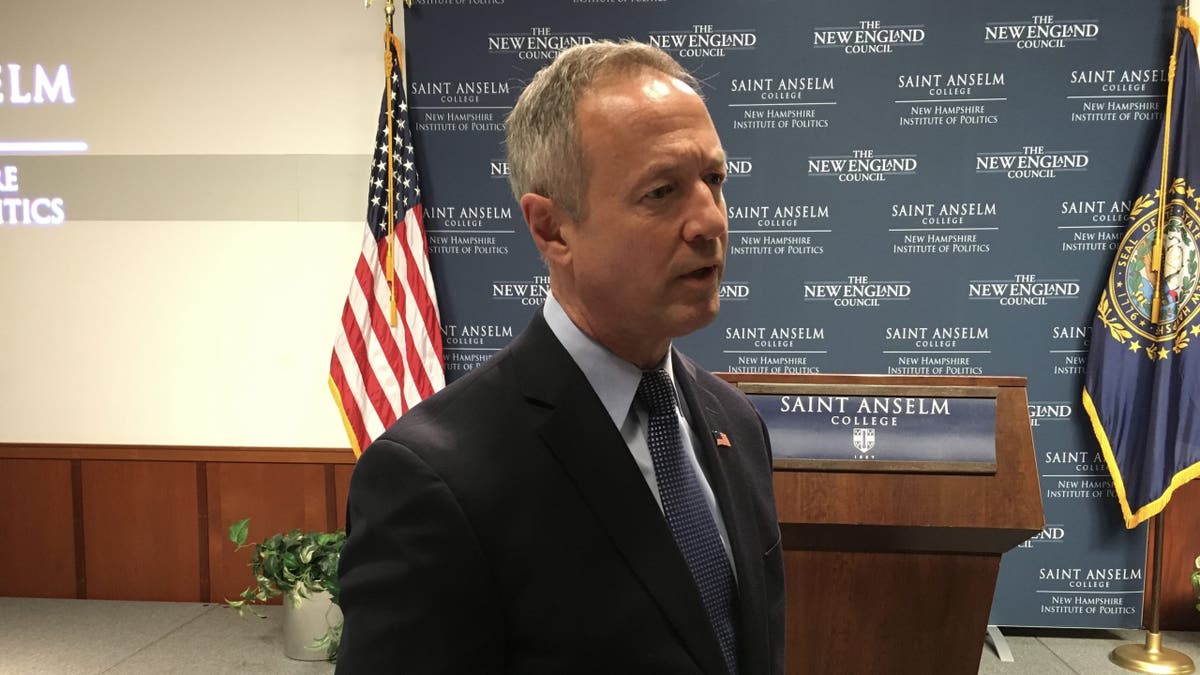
390	9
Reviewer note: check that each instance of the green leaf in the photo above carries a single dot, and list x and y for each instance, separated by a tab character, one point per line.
294	563
238	531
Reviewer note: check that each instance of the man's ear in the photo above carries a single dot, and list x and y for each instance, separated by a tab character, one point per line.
546	220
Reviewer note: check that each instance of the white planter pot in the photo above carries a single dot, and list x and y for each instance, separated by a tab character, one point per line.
306	622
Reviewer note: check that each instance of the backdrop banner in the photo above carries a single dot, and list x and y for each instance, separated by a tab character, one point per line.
915	188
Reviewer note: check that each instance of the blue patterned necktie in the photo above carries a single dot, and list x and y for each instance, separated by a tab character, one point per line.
688	516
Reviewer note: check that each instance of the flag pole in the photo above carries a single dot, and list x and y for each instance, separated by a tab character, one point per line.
389	12
1163	189
1152	657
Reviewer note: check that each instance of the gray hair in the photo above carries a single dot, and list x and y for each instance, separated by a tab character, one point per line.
545	155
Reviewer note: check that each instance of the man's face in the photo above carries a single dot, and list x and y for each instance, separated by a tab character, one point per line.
647	258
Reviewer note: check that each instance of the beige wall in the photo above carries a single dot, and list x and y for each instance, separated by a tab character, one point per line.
194	291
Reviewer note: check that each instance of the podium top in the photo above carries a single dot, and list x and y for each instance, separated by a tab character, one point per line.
892	380
889	511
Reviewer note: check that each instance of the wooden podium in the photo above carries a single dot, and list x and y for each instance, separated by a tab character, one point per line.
891	567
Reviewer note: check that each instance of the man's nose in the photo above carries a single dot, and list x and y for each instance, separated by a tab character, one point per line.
706	218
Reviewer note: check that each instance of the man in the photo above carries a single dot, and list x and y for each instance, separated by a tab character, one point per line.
559	510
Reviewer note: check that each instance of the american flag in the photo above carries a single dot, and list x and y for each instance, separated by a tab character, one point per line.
387	357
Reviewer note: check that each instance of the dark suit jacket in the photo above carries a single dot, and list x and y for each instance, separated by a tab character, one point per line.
502	526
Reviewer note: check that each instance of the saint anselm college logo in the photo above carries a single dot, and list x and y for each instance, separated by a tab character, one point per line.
1150	310
864	439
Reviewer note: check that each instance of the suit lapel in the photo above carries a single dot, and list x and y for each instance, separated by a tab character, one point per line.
737	508
581	436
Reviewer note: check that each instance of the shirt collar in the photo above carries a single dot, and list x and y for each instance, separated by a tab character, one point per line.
614	379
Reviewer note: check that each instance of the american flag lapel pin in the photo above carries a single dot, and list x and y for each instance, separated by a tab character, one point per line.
721	439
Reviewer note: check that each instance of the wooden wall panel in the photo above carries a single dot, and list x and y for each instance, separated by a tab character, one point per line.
276	498
341	479
38	530
141	525
141	530
1181	545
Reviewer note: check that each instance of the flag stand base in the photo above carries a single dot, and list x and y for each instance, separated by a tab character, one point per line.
1151	657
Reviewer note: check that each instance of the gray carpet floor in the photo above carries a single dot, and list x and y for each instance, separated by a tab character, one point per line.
88	637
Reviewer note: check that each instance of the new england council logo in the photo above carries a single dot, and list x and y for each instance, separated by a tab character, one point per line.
1130	308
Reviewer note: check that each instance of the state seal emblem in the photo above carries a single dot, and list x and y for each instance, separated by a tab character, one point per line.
1150	310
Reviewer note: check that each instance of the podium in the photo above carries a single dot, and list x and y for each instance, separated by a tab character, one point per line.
891	565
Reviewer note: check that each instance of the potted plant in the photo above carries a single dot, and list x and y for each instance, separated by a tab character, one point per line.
1196	582
302	567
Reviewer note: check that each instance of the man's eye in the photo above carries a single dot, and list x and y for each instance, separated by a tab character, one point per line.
716	178
659	192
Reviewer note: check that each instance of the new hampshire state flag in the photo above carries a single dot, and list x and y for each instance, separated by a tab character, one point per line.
1142	389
